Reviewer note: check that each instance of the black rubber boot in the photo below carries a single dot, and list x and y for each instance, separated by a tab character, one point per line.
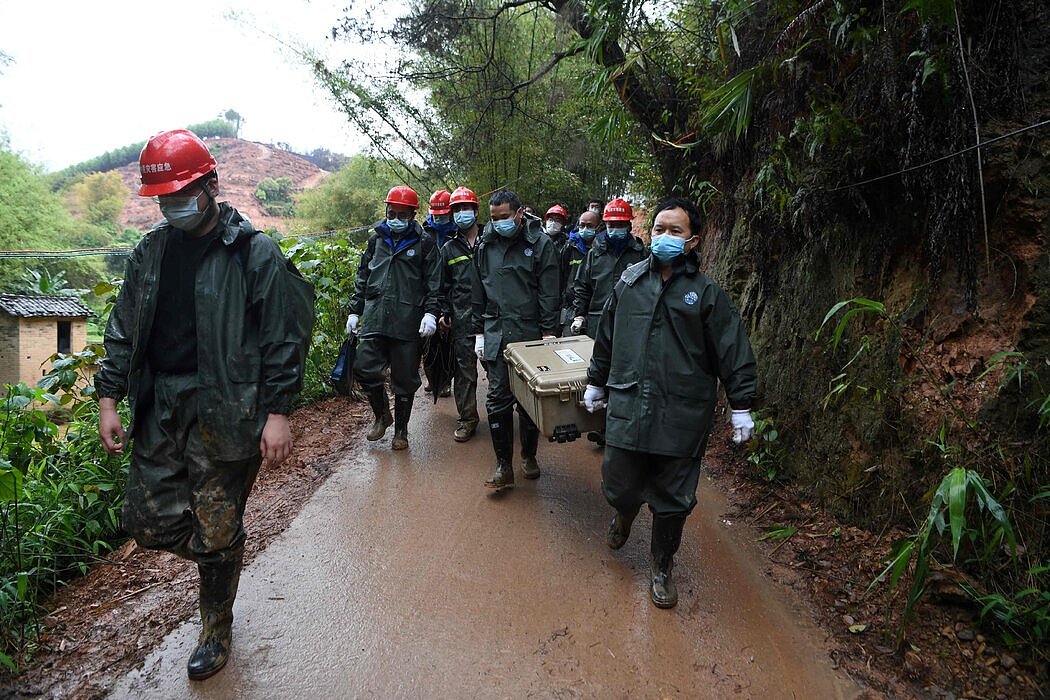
620	529
218	590
381	408
402	412
501	427
667	536
530	439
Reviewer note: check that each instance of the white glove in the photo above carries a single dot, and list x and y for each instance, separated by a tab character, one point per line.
549	337
594	398
479	346
743	424
428	326
577	325
351	323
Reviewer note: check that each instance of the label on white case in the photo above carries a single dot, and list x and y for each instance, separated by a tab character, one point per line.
569	357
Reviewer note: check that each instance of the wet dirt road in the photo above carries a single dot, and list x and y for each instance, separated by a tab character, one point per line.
404	577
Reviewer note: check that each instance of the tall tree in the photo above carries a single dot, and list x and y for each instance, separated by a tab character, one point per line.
476	100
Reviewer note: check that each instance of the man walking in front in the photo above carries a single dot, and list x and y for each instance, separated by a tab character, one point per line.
515	299
667	336
208	341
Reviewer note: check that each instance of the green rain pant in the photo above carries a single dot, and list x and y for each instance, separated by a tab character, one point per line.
377	352
465	383
177	498
500	398
667	484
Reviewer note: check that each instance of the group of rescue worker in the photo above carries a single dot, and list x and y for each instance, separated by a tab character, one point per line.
664	334
208	337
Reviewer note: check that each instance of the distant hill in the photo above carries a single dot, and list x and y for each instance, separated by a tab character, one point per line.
242	165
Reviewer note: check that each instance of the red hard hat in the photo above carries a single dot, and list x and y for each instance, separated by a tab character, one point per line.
439	202
557	209
404	196
462	195
618	209
171	160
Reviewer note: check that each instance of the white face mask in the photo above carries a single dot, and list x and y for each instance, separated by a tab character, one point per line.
554	227
182	212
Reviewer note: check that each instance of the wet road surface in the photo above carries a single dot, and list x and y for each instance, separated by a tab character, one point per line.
404	577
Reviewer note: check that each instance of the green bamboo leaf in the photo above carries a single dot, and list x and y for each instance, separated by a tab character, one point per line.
827	317
957	505
900	555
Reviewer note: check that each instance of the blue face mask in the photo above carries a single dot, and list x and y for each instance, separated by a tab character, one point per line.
397	226
505	227
616	234
667	247
465	218
587	234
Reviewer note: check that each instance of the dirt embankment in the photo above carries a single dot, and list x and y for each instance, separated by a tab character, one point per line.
242	165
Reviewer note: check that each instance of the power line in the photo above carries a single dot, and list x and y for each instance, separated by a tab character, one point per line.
928	163
116	251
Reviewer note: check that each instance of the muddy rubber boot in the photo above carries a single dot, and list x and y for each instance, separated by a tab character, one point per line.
218	590
530	439
501	427
381	407
667	536
402	412
465	430
620	529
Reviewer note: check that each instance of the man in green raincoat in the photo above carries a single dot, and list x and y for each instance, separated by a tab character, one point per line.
667	336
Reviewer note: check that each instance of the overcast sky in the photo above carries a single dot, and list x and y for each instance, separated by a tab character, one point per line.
89	77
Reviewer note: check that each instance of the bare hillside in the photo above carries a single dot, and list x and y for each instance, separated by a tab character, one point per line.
242	165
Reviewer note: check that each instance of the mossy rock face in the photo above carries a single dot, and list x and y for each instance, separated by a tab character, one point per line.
868	454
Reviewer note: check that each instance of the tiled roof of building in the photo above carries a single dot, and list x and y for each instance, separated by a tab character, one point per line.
28	306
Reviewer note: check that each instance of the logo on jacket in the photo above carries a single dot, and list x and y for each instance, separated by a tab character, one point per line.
690	298
411	252
528	252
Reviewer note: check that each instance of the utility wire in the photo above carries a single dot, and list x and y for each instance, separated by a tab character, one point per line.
87	252
928	163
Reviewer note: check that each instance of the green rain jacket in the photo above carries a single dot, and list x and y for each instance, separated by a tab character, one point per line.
570	260
600	271
398	280
516	297
459	275
251	338
660	351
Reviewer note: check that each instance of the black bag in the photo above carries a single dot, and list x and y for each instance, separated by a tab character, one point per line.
342	376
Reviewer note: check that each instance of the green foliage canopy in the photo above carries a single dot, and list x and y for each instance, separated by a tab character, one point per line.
349	198
33	217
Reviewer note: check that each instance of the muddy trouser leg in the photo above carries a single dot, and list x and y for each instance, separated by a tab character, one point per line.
181	500
466	381
177	498
499	405
623	484
671	495
500	398
530	438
